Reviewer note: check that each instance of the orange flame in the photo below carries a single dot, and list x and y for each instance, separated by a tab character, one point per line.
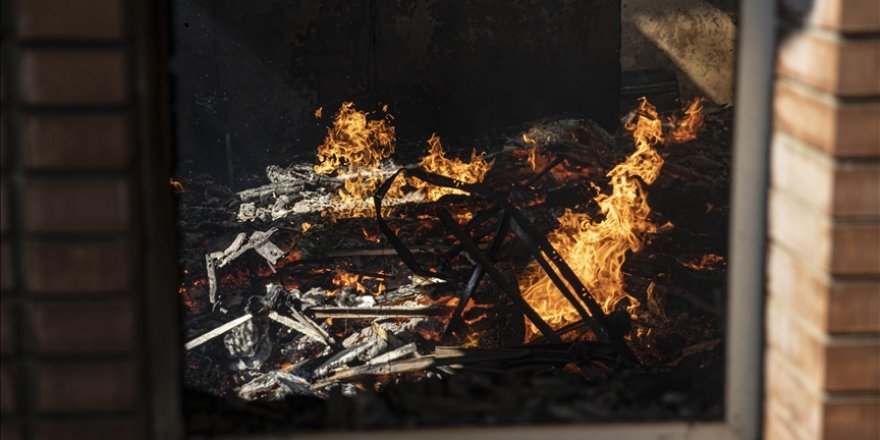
596	249
176	185
355	142
355	148
686	129
342	279
437	162
709	261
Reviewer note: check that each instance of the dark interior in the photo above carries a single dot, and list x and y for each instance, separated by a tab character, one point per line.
252	75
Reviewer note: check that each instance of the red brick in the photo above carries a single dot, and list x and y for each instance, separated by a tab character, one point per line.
83	327
54	76
838	188
99	266
10	431
839	15
8	390
777	426
2	138
7	278
78	430
4	207
841	129
76	141
840	248
77	205
836	306
7	329
834	364
796	409
852	418
79	387
831	64
791	397
70	19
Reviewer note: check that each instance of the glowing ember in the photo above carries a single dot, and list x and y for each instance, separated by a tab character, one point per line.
177	186
706	262
596	248
370	236
537	138
342	279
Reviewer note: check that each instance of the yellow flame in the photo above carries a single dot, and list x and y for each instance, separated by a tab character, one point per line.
596	249
355	147
686	129
342	279
437	162
537	138
355	142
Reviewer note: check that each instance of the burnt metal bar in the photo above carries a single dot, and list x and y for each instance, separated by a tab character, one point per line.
540	248
512	292
482	216
402	250
565	271
476	276
554	277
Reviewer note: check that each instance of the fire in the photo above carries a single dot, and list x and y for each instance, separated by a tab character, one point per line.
342	279
370	236
355	148
537	138
437	162
686	129
709	261
596	249
355	142
176	185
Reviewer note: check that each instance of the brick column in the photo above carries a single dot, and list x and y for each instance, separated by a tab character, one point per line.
823	274
72	362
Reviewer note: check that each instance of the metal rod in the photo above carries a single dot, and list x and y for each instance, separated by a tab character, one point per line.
476	276
511	291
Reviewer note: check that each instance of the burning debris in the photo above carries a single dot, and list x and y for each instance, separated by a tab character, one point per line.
597	248
441	267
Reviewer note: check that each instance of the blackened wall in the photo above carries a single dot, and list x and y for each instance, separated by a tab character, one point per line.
249	75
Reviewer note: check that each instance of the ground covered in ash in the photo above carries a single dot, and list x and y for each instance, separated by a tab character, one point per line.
266	375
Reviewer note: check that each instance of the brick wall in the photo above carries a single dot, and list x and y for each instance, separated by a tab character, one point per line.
823	274
73	364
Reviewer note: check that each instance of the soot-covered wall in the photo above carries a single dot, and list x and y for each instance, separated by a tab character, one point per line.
248	76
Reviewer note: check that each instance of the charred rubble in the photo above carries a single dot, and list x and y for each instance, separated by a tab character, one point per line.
295	319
